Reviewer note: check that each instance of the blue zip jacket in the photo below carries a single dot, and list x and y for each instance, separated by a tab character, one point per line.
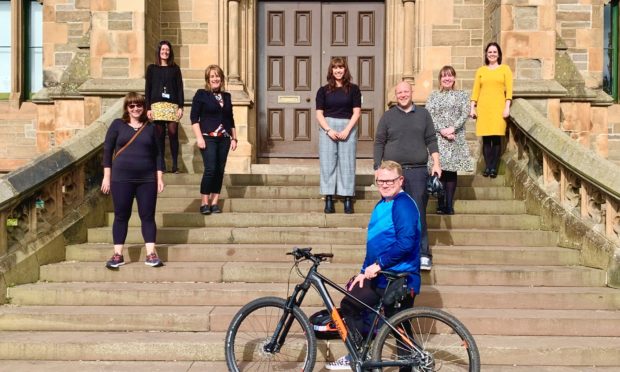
394	239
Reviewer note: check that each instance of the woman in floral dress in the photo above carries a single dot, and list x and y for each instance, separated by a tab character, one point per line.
449	109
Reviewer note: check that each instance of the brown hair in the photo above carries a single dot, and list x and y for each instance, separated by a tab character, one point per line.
346	78
499	53
446	70
218	70
391	165
134	98
170	61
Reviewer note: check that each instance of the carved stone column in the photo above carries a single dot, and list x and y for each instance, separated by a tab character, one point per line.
409	40
233	42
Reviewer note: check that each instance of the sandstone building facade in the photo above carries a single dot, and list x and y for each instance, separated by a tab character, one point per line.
564	55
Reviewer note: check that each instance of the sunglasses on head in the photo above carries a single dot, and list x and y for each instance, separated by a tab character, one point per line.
134	105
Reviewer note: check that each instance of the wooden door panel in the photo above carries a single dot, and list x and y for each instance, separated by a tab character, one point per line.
298	41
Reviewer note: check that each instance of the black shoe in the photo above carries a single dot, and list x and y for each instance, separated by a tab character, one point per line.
215	209
486	172
348	205
204	209
175	170
493	173
329	204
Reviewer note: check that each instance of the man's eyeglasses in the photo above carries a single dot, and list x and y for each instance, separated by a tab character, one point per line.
134	105
386	182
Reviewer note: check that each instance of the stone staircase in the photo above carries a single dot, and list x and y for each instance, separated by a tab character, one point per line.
527	301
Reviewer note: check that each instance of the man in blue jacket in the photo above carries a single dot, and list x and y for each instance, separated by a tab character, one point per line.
393	244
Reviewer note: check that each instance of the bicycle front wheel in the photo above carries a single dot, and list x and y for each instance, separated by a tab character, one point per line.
251	338
429	339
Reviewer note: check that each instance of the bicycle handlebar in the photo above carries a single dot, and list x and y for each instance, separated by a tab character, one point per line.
299	253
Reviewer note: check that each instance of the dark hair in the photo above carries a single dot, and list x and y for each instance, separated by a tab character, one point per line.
499	53
170	61
346	78
135	98
446	70
218	70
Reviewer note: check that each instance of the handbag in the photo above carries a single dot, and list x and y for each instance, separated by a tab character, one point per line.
117	153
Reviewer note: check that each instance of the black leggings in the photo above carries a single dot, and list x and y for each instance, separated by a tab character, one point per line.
448	179
173	137
123	194
352	312
491	151
214	160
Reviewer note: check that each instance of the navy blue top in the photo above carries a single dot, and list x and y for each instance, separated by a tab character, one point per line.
140	161
394	239
209	114
338	103
158	77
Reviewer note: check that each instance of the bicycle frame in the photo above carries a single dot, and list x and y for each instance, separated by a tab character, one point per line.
358	357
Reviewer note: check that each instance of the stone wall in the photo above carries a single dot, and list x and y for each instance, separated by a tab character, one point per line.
580	25
451	33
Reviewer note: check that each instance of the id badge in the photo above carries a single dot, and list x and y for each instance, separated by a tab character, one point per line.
165	95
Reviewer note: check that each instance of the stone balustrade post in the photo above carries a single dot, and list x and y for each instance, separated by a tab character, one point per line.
409	33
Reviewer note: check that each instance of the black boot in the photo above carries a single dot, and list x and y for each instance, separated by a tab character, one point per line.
329	204
441	205
348	205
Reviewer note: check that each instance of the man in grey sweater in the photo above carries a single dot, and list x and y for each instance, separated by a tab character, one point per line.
406	135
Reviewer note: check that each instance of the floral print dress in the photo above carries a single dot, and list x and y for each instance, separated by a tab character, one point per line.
450	108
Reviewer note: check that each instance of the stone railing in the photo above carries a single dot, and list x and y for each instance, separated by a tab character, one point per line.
44	205
575	191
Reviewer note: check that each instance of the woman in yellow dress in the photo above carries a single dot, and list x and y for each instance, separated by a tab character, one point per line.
490	105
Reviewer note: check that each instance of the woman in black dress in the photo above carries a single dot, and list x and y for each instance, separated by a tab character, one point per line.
214	127
164	99
132	169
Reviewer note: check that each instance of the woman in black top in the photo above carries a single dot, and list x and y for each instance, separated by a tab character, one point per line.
132	168
338	107
164	99
214	127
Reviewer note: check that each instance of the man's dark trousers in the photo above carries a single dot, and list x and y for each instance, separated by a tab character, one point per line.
415	186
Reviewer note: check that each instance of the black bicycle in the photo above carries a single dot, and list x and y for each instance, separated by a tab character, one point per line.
274	334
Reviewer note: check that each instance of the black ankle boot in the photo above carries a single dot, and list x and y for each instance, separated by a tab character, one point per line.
329	204
441	205
348	205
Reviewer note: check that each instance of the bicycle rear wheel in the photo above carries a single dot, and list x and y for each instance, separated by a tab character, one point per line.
251	332
445	343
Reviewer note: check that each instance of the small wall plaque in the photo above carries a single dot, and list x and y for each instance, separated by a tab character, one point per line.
289	99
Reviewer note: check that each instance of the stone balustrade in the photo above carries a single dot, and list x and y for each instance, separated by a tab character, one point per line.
576	191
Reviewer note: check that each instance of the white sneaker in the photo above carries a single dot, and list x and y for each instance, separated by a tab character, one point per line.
342	364
425	263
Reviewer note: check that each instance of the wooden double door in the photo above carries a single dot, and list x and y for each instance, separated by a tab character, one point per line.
296	41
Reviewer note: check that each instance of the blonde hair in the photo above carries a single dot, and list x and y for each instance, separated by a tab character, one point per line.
446	70
218	70
391	165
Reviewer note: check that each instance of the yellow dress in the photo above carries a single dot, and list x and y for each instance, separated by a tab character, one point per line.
492	87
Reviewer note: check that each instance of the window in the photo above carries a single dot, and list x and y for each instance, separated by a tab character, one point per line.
34	48
611	77
5	48
27	78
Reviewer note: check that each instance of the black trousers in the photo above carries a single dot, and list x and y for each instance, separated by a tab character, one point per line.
123	194
415	186
370	295
214	158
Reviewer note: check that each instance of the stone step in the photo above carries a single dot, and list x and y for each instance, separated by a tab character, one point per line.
310	236
521	322
306	179
207	346
457	221
191	366
342	253
277	272
310	192
316	205
114	366
238	294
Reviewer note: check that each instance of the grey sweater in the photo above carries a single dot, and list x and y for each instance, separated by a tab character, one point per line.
405	137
